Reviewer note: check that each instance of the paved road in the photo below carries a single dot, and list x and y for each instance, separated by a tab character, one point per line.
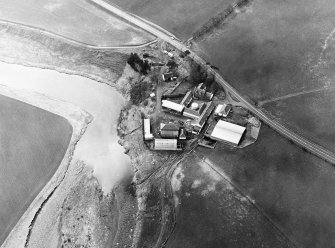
152	28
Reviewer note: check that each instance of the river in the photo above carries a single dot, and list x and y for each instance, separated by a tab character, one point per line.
98	147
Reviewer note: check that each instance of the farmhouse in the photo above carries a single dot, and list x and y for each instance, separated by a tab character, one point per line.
172	106
223	110
227	132
147	130
169	130
167	145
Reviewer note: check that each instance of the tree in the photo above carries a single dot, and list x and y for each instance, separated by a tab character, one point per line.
138	64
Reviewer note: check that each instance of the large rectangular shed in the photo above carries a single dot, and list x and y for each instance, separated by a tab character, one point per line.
169	105
227	132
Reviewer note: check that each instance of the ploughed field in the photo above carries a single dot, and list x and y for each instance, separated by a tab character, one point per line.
294	188
182	18
280	49
211	213
32	145
77	20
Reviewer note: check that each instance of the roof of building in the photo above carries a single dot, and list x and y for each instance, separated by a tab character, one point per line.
191	113
204	116
187	99
166	144
229	132
169	127
223	109
172	105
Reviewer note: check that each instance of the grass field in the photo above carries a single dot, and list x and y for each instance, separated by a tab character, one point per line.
211	214
78	20
32	145
293	187
182	18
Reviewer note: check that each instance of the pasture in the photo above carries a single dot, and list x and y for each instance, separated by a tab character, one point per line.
181	18
277	48
77	20
32	145
294	188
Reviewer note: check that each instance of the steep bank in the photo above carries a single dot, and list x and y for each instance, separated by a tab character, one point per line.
23	47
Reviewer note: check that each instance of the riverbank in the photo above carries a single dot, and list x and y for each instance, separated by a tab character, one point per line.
32	49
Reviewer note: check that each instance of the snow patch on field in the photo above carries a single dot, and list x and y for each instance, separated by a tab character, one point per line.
176	183
196	183
177	179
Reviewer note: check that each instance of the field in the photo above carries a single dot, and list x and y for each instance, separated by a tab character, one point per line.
211	213
294	188
182	18
32	145
273	49
310	114
77	20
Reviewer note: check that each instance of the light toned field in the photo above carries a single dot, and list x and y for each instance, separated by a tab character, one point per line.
182	18
77	20
32	145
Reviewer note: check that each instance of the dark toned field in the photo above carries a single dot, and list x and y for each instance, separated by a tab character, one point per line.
211	213
32	145
77	20
311	114
182	18
276	48
294	188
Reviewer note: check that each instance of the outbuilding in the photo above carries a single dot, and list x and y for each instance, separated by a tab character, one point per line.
223	110
167	145
147	130
169	130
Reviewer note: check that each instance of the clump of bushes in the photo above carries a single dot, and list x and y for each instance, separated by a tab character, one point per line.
139	65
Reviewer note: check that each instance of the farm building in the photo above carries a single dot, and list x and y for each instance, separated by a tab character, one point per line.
172	106
147	130
169	130
227	132
200	92
198	124
195	112
168	76
223	110
187	99
182	135
167	145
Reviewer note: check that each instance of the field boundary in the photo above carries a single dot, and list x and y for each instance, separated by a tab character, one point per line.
73	41
79	120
